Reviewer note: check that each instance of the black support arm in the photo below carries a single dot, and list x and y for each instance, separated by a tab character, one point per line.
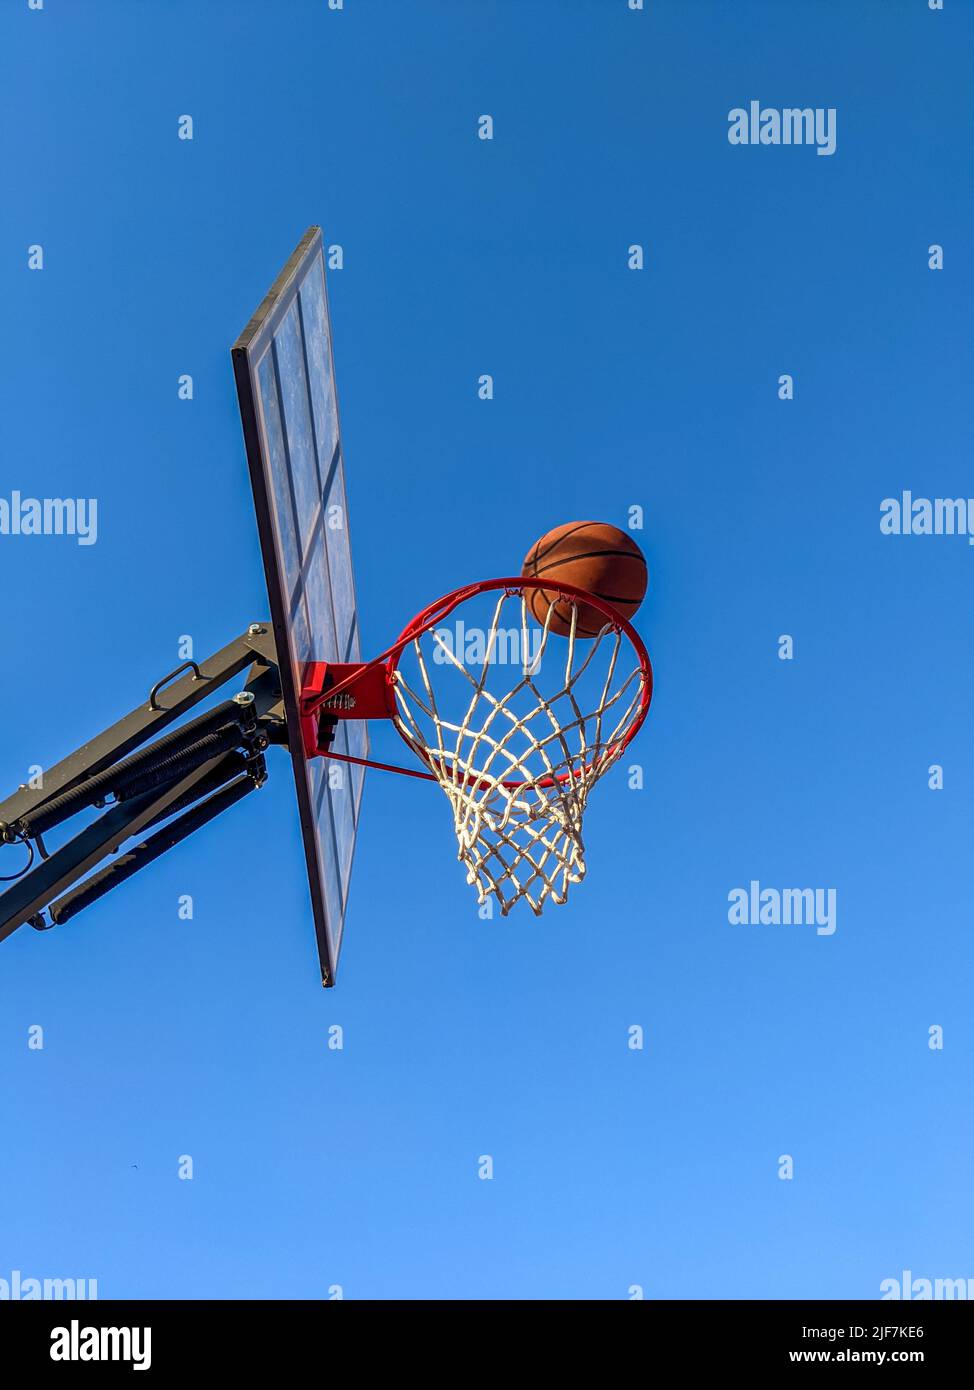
199	770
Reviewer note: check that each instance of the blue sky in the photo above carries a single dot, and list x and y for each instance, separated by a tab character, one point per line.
612	1167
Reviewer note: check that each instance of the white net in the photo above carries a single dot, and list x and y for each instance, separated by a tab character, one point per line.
517	724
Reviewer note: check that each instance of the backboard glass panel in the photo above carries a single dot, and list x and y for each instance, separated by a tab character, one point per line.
285	378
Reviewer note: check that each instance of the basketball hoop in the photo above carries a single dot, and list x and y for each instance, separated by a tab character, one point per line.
516	727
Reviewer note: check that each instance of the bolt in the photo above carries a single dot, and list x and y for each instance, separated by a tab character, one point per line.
254	630
243	697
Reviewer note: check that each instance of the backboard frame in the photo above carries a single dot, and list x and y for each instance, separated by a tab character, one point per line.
246	354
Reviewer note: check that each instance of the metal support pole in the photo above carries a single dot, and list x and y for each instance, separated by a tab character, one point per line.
219	751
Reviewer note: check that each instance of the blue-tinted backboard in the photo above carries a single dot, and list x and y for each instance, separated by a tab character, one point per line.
286	387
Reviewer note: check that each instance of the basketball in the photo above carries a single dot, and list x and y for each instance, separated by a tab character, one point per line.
594	556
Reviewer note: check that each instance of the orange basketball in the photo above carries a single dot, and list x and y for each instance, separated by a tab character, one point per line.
594	556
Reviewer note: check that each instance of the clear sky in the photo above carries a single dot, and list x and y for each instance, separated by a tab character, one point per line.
613	1167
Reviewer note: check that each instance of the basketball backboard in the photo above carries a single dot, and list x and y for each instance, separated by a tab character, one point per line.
286	388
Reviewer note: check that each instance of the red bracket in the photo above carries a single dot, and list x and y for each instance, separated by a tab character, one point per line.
366	693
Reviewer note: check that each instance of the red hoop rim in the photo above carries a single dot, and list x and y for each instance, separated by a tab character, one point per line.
435	613
443	607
